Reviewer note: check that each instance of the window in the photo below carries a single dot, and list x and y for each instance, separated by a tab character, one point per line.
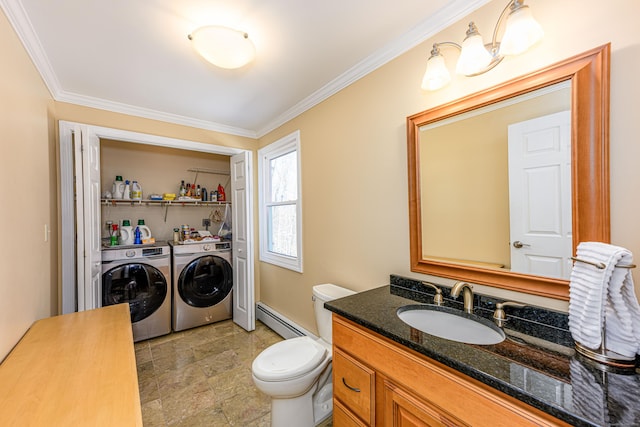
280	203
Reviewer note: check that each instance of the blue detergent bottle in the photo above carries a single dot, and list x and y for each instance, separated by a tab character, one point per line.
137	240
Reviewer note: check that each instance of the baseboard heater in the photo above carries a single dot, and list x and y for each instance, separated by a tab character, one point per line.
284	327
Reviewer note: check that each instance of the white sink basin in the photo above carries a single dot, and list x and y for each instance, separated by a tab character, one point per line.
451	324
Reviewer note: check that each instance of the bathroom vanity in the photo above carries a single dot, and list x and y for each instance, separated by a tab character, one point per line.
387	373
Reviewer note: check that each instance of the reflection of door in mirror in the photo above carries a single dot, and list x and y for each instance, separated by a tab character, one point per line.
465	180
540	195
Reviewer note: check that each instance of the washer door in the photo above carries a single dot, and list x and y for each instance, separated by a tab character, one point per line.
205	281
143	286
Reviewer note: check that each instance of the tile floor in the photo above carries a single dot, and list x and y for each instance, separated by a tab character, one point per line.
202	377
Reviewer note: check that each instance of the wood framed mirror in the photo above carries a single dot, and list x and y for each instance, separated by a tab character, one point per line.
587	77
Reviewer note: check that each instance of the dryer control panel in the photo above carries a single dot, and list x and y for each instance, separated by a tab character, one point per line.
220	246
151	251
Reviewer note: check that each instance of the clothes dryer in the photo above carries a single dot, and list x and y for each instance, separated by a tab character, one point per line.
202	284
140	276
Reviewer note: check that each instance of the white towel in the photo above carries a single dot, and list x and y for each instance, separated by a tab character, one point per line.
604	295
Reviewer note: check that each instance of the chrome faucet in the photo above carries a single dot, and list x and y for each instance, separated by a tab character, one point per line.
467	295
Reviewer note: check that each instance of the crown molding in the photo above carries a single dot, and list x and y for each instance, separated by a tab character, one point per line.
18	18
132	110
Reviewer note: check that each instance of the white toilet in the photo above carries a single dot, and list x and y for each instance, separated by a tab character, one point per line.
296	373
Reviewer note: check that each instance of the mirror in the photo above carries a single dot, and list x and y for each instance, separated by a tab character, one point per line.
585	78
510	188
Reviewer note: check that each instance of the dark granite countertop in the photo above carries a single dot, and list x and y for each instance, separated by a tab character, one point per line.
536	364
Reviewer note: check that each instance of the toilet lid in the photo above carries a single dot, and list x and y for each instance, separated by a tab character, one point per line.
288	359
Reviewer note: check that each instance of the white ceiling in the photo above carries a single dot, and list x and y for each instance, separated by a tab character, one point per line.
133	56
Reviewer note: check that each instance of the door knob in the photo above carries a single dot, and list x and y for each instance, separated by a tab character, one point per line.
518	244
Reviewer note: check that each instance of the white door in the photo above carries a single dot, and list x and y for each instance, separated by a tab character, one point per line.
79	232
86	149
242	238
540	195
92	220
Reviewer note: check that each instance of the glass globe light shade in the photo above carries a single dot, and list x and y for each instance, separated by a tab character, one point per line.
522	31
223	47
474	57
436	75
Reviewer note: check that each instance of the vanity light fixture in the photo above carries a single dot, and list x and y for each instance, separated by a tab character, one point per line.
222	46
521	32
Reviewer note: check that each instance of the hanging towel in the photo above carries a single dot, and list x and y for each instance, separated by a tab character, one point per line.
604	296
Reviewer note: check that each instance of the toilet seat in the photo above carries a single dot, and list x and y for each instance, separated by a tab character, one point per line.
289	359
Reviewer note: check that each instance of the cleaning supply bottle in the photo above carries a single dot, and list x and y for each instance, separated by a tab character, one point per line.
144	230
136	191
137	239
126	233
114	235
117	190
127	191
221	195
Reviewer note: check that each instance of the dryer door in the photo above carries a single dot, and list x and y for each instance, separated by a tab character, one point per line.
143	286
205	281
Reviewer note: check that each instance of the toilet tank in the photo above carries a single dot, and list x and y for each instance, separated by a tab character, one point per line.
321	294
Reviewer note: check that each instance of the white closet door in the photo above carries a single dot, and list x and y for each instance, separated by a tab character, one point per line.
87	173
242	238
78	181
92	221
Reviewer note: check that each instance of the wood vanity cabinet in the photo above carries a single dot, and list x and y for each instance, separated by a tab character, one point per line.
377	382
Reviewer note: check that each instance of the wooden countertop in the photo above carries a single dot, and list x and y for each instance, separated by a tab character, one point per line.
78	369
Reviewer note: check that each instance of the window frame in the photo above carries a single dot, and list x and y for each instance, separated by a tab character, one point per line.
283	146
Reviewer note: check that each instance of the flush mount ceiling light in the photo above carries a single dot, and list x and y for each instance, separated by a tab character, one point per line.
521	32
223	47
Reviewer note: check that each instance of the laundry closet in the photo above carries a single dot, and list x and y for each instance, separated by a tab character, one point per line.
177	273
90	159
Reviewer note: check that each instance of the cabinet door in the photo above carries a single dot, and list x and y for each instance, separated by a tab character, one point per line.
402	409
353	385
342	417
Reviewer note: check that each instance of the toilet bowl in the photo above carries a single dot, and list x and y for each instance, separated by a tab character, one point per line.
296	373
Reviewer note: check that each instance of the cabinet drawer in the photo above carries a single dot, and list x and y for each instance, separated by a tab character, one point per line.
353	385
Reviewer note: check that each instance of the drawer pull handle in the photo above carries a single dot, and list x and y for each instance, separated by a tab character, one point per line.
357	390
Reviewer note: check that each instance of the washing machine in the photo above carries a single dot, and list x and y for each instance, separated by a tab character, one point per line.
202	283
141	276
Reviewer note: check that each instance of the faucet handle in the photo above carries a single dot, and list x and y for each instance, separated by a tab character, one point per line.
499	315
437	298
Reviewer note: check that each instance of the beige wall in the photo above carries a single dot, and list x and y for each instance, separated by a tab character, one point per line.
354	151
28	286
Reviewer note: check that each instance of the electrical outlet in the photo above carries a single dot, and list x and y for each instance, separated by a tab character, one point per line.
206	222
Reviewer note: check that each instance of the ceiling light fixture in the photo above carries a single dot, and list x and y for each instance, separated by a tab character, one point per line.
521	32
223	47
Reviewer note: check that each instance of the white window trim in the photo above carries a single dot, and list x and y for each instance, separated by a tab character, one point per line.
282	146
